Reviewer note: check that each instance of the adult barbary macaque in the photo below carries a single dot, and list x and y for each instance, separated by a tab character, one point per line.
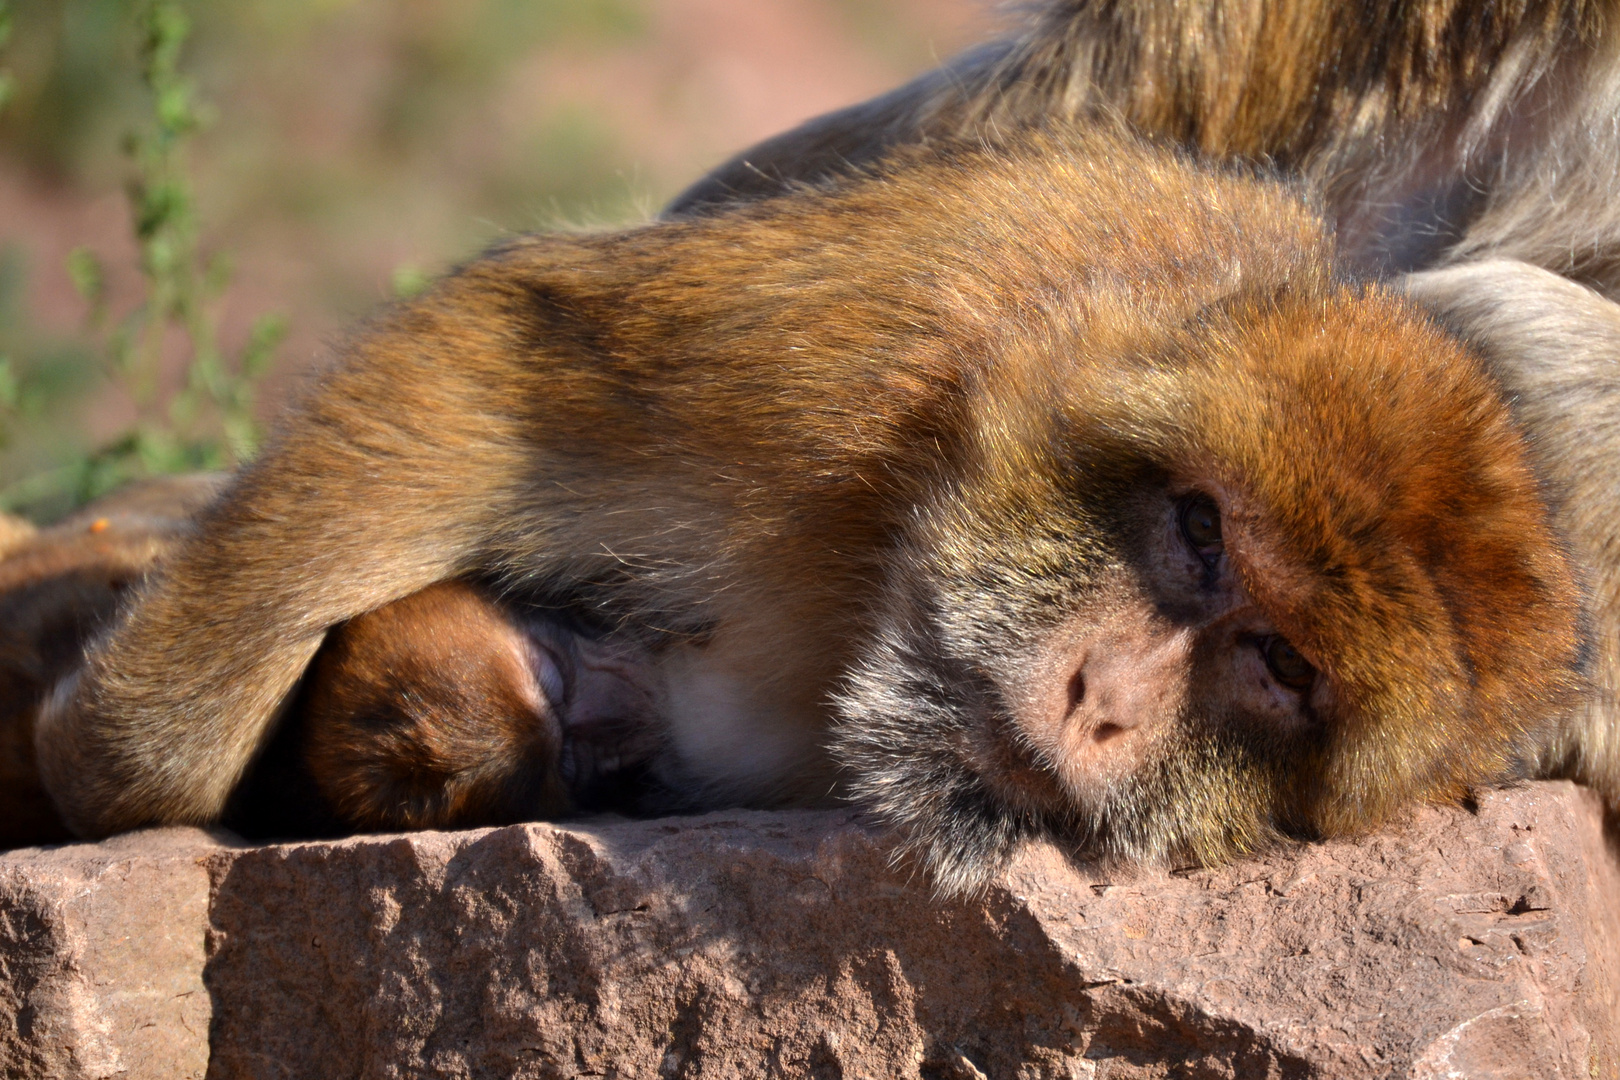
1436	134
1062	486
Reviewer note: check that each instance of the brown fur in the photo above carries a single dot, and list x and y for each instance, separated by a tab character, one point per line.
57	587
804	447
423	713
1436	130
1437	134
1555	346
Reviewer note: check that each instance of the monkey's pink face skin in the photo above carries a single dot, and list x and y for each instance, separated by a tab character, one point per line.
1177	643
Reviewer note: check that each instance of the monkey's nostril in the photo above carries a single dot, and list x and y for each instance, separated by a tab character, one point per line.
1077	689
1107	733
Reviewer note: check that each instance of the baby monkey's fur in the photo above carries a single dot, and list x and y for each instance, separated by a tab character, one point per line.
945	464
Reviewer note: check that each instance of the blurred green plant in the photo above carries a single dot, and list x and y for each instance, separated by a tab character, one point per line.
8	85
36	372
409	280
8	376
207	421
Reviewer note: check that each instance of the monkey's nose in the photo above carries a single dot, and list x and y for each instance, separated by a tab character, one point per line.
1106	702
1107	694
1113	690
1103	731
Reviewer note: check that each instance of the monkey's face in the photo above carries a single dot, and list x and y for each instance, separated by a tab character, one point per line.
1111	681
1280	572
1164	647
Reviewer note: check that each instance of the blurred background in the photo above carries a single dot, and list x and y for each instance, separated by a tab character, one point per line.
259	173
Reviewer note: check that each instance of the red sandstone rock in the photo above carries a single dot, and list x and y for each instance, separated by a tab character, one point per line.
750	944
101	959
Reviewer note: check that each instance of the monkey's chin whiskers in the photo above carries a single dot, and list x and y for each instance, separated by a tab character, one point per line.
961	812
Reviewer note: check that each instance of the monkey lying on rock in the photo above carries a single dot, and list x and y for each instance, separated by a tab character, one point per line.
1060	487
1437	134
1472	143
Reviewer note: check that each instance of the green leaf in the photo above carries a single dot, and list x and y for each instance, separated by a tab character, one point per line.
174	109
166	28
265	337
161	205
8	384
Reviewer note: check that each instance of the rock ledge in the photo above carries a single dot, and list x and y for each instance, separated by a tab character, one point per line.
1469	945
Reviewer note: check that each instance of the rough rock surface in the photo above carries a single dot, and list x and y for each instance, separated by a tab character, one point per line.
1465	945
102	954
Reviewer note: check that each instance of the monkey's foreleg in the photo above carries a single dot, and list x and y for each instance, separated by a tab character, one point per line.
394	477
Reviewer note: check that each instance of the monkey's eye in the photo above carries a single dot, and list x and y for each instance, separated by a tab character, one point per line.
1287	666
1201	527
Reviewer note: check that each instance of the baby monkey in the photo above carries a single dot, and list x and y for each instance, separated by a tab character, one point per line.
1051	487
448	710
